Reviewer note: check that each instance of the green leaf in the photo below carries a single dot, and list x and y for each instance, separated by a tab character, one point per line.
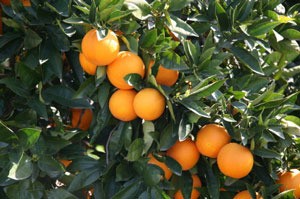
179	4
134	80
152	174
267	153
277	130
148	129
84	178
25	189
6	38
128	192
60	7
191	51
262	27
211	180
60	193
58	38
64	96
31	39
172	60
15	85
207	90
131	43
180	28
173	165
50	166
140	8
291	34
247	58
28	137
135	150
149	38
194	107
122	173
223	19
168	136
117	15
22	169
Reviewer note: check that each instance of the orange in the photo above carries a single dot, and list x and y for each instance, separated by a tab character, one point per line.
165	76
245	195
121	105
82	118
162	165
185	153
290	180
211	138
100	51
126	63
66	163
235	161
86	65
195	193
149	104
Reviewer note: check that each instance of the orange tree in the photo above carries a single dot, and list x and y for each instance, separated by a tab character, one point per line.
235	63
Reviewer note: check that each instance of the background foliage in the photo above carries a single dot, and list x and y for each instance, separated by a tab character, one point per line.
239	66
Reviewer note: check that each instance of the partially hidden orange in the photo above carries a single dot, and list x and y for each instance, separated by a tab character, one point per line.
246	195
125	63
121	105
165	76
290	180
82	118
86	65
195	193
211	138
100	51
162	165
185	153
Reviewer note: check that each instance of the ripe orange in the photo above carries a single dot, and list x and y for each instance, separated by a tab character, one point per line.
290	180
211	138
121	105
235	161
125	63
245	195
165	76
185	153
162	165
100	51
66	163
86	65
82	118
149	104
195	193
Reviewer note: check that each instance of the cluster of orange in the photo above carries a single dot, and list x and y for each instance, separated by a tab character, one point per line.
233	160
125	104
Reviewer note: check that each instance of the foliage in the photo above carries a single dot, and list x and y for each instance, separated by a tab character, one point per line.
239	67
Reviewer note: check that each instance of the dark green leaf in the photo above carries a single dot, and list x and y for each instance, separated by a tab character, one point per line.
267	153
60	193
6	38
122	173
84	178
173	165
128	192
291	34
135	150
134	80
194	107
152	175
178	5
223	18
32	39
168	136
58	38
50	166
15	85
148	39
25	189
247	58
140	8
211	180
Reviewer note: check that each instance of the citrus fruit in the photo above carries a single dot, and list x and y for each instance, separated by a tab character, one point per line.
121	105
290	180
149	104
100	51
125	63
195	193
211	138
65	162
82	118
162	165
245	195
165	76
185	153
235	161
86	65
